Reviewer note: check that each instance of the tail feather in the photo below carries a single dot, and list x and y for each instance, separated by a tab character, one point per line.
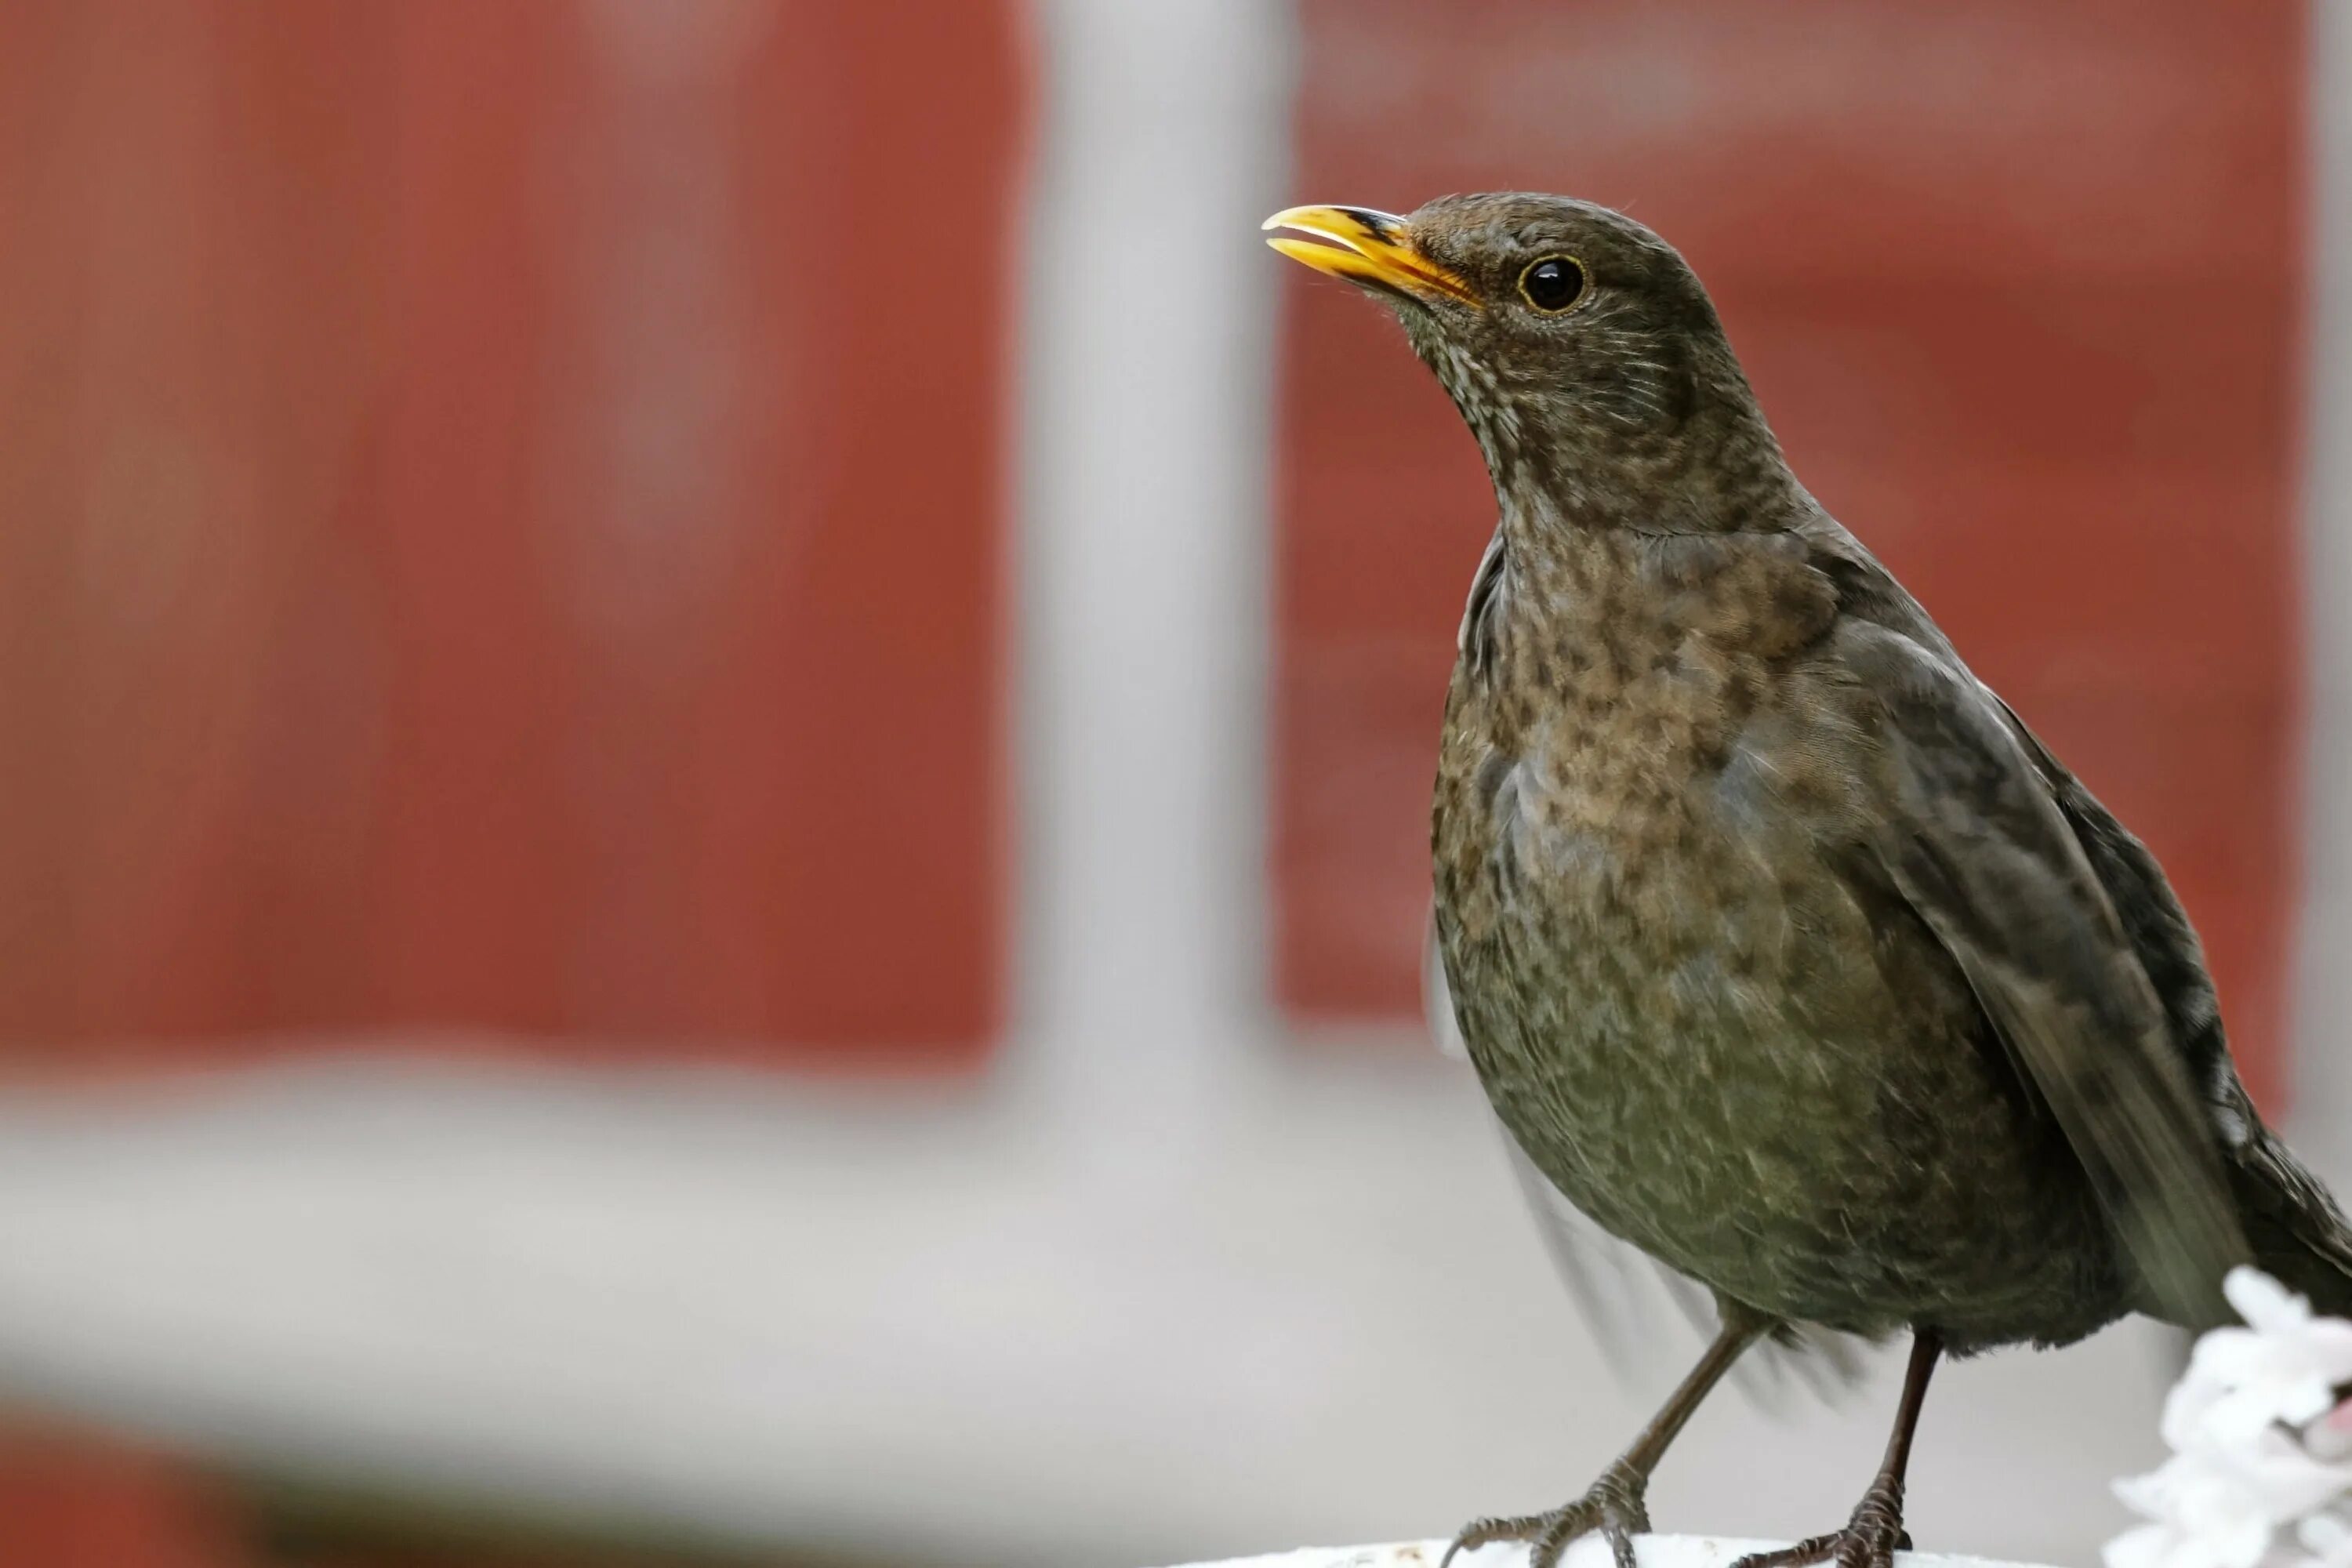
2298	1235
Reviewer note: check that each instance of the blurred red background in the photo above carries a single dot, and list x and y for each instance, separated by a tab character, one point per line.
506	529
2018	286
405	644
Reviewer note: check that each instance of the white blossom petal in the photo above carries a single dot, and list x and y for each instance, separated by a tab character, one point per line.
2243	1415
2265	1304
2240	1542
2142	1546
2282	1473
2302	1399
2188	1410
2328	1537
2258	1443
2328	1342
2229	1355
2330	1436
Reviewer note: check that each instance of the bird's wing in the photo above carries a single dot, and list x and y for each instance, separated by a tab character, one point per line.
1637	1307
2293	1226
1972	838
2156	925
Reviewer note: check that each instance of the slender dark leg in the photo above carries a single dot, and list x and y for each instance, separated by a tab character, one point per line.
1616	1505
1874	1534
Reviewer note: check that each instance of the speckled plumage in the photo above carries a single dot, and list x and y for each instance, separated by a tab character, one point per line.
1686	1000
1782	949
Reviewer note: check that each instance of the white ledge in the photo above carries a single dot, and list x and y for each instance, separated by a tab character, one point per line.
1591	1551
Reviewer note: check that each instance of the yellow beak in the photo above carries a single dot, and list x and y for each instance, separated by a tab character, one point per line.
1372	249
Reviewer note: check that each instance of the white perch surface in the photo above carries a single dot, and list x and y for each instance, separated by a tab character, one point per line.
1591	1551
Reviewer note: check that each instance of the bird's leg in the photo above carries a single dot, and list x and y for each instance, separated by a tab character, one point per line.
1874	1534
1615	1506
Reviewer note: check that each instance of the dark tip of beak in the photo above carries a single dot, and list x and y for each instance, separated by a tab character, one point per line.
1388	226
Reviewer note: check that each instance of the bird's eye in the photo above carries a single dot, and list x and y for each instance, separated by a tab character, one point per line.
1553	284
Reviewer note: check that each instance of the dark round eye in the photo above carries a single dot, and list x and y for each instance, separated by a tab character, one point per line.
1553	284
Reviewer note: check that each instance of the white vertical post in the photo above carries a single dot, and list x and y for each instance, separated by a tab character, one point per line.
1143	549
2322	1058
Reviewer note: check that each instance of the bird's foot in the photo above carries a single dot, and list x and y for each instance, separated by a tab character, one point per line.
1615	1507
1870	1539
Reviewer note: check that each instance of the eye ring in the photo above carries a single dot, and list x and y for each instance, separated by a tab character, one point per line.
1554	285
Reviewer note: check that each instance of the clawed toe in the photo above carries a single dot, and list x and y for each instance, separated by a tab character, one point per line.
1614	1508
1870	1540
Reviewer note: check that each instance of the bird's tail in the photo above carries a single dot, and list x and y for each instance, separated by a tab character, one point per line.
2298	1236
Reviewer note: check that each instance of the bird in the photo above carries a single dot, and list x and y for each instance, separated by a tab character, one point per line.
1783	950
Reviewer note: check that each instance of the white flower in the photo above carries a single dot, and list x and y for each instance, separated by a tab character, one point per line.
2330	1436
2328	1537
2219	1507
2283	1367
2277	1468
2203	1518
2258	1443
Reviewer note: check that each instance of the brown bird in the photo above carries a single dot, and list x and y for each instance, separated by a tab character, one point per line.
1782	949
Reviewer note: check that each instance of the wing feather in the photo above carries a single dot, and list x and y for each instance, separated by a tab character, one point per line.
1973	839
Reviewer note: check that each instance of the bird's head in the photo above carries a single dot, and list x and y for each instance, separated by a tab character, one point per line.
1579	347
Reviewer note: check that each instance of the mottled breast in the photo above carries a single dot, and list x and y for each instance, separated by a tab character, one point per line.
1652	802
